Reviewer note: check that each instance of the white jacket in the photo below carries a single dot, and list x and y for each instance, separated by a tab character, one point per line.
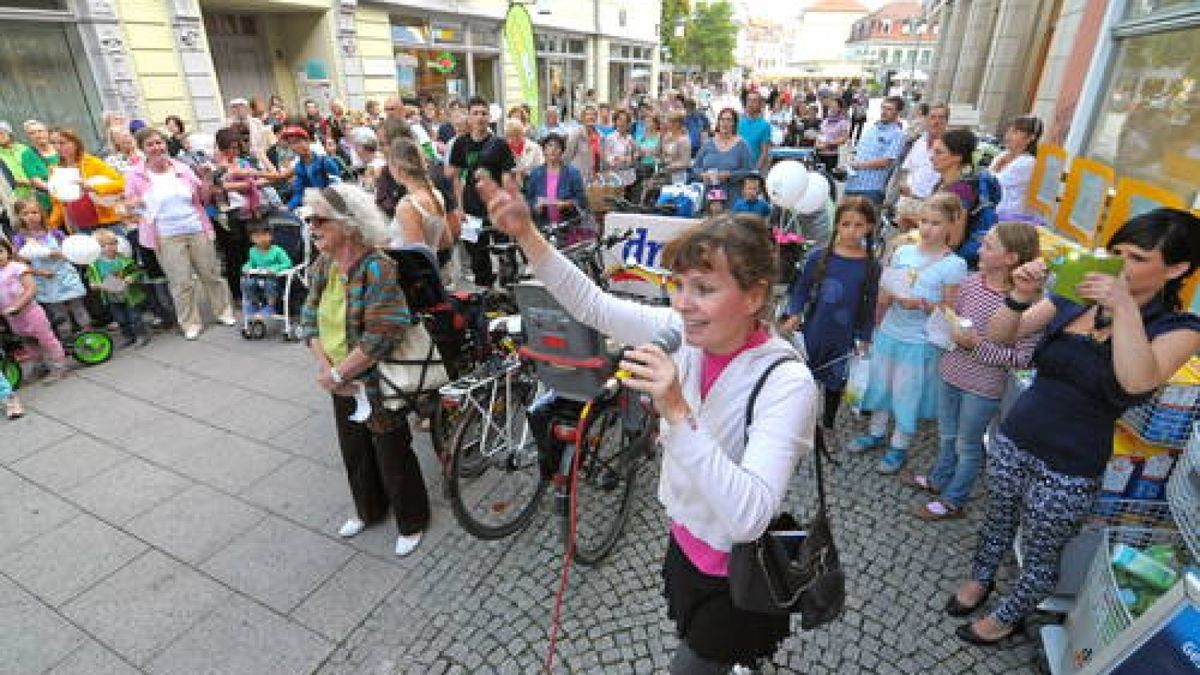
721	489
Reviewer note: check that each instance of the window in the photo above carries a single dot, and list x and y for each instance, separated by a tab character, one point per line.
883	54
887	26
448	34
52	5
1148	126
1137	9
926	54
905	28
410	31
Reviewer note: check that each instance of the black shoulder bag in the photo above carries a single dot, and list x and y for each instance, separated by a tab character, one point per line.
777	575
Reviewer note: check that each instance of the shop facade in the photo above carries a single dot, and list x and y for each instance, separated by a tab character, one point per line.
446	57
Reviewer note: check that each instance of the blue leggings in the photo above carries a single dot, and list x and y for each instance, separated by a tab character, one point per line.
1050	508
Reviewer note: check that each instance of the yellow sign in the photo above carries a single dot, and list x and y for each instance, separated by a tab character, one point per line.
518	33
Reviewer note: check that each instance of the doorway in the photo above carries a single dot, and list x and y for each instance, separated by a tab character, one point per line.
239	53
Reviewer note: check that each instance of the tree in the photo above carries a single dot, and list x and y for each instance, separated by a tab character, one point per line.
673	12
709	38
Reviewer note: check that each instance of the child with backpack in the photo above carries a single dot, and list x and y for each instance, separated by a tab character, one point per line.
833	301
903	378
974	373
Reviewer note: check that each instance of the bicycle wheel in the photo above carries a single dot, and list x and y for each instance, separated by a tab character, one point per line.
494	481
11	371
91	347
607	471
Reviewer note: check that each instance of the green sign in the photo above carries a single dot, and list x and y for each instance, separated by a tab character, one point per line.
518	33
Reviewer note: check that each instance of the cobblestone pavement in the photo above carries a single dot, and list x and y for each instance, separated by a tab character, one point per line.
174	511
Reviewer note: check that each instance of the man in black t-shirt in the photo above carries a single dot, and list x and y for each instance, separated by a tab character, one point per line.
478	150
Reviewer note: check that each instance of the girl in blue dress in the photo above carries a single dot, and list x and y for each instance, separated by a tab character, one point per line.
60	290
833	301
903	381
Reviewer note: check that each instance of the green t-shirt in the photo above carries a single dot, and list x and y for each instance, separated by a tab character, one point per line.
274	259
331	317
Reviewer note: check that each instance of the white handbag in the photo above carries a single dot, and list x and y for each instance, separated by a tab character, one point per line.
414	367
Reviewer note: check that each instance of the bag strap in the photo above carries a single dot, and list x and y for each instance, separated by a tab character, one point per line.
819	447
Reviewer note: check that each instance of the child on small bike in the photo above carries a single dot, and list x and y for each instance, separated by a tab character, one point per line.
18	303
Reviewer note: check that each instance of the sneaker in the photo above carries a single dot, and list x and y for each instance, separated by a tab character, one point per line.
406	544
191	332
865	443
893	460
12	408
228	319
351	527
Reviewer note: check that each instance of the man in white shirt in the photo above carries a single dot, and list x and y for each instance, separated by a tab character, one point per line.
261	136
917	178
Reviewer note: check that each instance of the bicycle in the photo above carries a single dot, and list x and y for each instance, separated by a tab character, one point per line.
87	346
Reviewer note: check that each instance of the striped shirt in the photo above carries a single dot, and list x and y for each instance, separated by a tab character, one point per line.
983	371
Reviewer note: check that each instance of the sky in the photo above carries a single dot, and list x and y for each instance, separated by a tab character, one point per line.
780	10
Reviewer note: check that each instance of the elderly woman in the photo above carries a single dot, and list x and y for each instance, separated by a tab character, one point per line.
555	190
354	316
1095	360
100	187
527	153
584	149
676	145
722	480
174	224
38	160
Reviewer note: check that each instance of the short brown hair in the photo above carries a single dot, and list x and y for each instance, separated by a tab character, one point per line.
746	242
74	137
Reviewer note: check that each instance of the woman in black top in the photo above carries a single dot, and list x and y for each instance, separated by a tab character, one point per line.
1094	362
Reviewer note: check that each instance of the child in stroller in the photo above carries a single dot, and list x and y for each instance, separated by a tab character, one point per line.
273	277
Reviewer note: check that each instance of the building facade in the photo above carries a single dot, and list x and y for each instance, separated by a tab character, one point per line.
1117	81
897	38
153	58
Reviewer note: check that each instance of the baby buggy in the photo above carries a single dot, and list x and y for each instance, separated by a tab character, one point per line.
287	232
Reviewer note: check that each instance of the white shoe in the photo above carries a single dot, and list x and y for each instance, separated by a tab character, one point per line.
407	544
351	527
191	333
228	319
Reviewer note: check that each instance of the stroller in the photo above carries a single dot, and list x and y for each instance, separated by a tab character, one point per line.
289	233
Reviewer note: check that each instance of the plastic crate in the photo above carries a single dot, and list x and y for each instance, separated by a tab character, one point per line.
571	358
1167	419
1130	513
1183	494
1099	616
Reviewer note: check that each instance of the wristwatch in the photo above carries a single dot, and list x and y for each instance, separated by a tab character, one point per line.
335	376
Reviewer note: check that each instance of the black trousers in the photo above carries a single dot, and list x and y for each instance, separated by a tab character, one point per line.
233	243
383	471
481	259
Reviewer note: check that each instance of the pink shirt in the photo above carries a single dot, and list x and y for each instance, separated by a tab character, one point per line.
29	319
552	213
707	559
137	184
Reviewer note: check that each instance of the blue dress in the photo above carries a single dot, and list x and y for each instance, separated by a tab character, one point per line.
829	329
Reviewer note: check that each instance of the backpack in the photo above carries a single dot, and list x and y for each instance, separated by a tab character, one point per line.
982	217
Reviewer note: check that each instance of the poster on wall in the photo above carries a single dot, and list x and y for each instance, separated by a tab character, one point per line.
1083	203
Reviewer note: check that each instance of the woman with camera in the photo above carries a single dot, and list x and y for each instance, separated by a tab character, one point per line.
721	483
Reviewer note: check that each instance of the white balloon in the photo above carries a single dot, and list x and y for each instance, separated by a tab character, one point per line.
786	183
816	196
34	249
81	249
124	247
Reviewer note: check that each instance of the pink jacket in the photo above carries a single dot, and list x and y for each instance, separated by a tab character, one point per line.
137	184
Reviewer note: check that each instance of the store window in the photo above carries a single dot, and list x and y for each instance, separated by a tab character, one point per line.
562	71
41	66
1148	123
445	59
35	5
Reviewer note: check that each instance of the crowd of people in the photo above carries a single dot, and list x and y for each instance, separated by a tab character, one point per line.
195	213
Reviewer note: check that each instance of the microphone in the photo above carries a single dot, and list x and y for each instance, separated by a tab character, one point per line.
667	339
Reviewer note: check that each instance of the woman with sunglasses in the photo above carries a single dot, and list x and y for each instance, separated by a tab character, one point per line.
354	316
721	480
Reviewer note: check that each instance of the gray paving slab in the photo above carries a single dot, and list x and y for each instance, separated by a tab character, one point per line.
314	437
145	605
202	397
242	638
227	461
303	491
68	462
277	563
259	417
32	636
93	658
32	432
27	510
69	559
127	490
196	523
342	602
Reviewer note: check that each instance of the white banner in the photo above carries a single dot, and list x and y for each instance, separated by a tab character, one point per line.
649	235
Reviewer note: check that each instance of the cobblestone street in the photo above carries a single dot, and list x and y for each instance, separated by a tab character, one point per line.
175	511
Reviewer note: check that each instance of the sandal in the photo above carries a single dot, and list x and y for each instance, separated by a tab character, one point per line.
937	510
918	481
12	408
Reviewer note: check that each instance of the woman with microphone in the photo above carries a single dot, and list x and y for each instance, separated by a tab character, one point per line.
720	482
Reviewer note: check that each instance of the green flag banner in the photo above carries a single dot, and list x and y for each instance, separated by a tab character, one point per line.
518	33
